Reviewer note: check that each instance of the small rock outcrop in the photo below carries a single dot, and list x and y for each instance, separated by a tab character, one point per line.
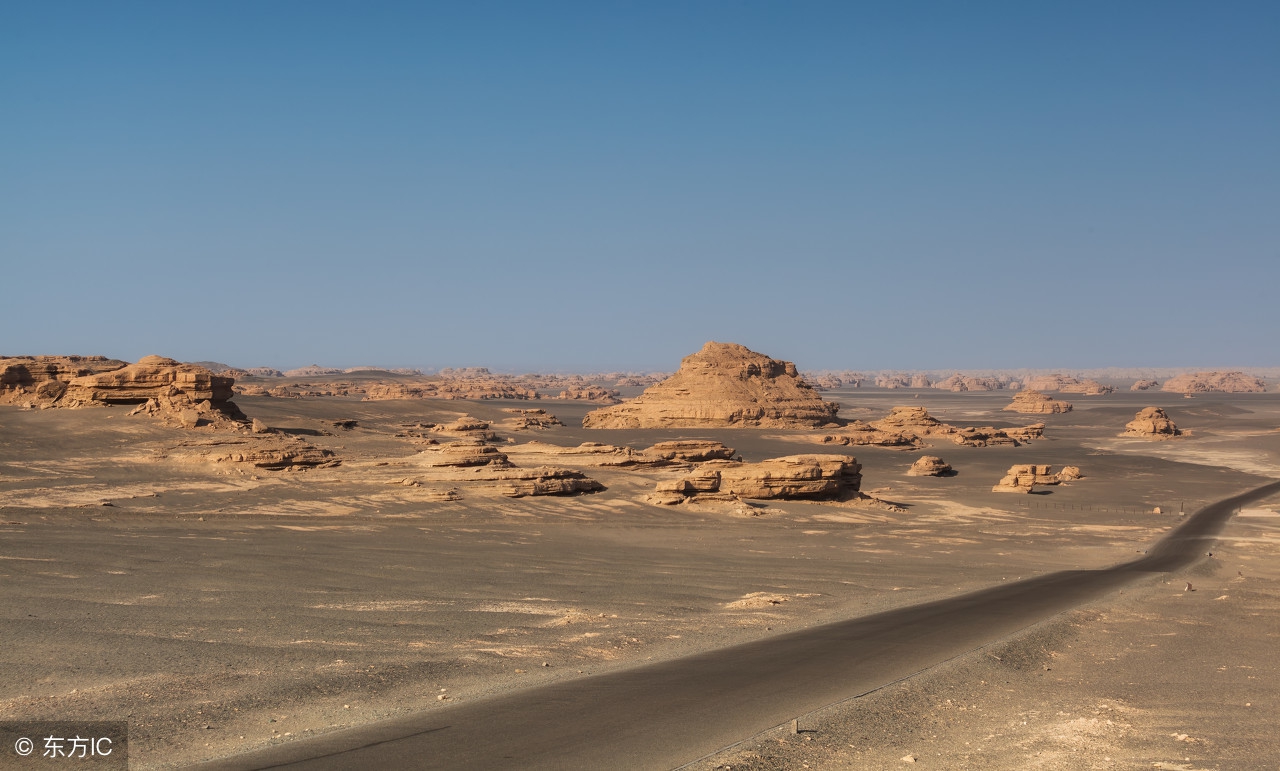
789	477
929	466
1034	402
1215	382
691	450
1143	385
1151	423
267	453
525	420
1023	478
724	385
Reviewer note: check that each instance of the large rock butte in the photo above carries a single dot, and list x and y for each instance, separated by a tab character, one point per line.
1208	382
724	385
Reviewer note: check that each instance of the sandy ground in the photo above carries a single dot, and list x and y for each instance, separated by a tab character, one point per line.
221	608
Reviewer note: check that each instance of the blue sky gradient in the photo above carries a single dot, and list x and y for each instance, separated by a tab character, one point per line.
594	186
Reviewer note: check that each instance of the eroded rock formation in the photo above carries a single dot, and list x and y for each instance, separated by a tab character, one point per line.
1221	382
691	450
1151	423
1023	478
35	379
792	476
1143	385
1034	402
724	385
929	466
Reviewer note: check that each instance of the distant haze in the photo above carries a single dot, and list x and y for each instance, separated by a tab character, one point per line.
604	186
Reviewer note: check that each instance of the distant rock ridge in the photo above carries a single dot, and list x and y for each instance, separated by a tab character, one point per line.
723	385
1066	384
1220	382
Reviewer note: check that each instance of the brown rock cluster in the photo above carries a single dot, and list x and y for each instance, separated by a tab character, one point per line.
790	477
1066	384
1151	423
1143	385
1221	382
929	466
525	420
724	385
1036	403
1023	478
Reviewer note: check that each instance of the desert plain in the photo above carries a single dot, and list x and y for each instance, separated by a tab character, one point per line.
316	560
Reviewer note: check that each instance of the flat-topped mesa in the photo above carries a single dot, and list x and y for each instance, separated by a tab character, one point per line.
1036	403
1066	384
44	378
1151	423
724	385
1211	382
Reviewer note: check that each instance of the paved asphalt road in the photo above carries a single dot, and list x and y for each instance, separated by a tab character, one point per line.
668	714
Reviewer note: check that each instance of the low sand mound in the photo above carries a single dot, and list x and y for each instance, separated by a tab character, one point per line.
724	385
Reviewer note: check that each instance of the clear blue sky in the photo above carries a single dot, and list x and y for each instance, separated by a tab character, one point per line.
607	185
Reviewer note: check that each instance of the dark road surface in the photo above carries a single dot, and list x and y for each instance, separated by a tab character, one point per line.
668	714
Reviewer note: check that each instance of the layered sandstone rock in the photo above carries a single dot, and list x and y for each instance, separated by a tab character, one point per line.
1066	384
150	377
1143	385
723	385
1036	403
1220	382
1151	423
691	450
467	427
186	395
929	466
1023	478
858	433
587	454
487	468
789	477
44	378
265	452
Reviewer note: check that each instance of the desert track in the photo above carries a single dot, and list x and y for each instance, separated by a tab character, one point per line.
670	713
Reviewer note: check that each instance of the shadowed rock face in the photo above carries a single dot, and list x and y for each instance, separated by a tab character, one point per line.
1151	423
724	385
